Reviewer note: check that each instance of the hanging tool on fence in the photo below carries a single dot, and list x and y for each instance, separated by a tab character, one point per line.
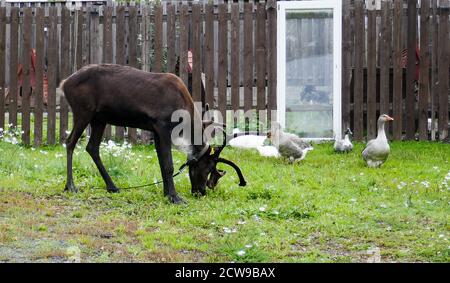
32	78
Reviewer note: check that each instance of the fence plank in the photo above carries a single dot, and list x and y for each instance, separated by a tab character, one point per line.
434	72
260	56
65	71
223	60
424	86
209	54
359	64
196	52
145	52
40	61
120	51
411	71
2	65
52	54
13	64
248	58
398	71
371	74
346	61
146	37
81	56
443	73
107	50
132	49
272	56
171	37
235	66
26	86
157	67
184	36
385	55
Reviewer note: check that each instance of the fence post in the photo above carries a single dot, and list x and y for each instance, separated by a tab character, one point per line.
223	60
248	60
424	86
13	64
371	95
397	82
52	70
40	61
2	65
65	70
359	69
443	70
346	68
411	71
272	56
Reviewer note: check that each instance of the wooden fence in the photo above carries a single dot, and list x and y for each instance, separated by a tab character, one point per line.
232	44
376	79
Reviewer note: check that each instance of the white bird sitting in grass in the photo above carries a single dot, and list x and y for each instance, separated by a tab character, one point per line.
377	150
344	145
289	145
253	141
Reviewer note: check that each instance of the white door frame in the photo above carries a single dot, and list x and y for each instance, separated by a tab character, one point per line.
336	5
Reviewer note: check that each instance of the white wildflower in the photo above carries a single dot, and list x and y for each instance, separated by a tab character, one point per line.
241	253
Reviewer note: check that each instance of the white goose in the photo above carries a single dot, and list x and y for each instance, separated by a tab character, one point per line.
377	150
344	145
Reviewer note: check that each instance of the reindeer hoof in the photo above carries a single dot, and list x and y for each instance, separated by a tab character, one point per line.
176	200
243	184
113	190
71	188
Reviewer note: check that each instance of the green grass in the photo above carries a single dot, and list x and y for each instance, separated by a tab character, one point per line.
329	208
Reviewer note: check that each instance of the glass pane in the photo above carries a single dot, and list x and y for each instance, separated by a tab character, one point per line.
309	73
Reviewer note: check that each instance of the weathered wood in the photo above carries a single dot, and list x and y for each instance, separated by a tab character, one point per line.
424	83
209	54
434	71
235	66
397	71
83	24
223	60
184	37
272	57
157	66
107	50
359	64
385	54
120	51
132	51
248	59
65	71
171	38
411	71
2	65
260	58
371	74
79	39
146	37
13	64
38	91
443	66
52	59
346	64
26	86
196	52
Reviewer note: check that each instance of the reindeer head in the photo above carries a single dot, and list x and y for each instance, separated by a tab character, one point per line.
203	167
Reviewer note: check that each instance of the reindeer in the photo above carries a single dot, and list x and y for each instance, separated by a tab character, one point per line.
127	97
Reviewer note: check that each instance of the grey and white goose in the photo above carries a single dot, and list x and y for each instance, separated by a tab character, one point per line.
377	150
289	145
344	145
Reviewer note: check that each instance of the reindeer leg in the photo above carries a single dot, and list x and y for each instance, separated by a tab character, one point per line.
163	146
92	148
71	142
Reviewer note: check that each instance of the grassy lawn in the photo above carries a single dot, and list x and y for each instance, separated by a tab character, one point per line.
330	208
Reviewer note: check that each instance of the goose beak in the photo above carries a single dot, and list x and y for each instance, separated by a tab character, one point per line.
390	118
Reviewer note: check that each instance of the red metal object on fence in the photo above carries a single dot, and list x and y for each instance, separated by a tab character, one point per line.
20	78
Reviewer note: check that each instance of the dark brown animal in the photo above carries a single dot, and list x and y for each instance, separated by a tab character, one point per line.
124	96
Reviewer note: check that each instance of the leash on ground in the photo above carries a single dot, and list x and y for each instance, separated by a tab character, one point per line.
180	170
